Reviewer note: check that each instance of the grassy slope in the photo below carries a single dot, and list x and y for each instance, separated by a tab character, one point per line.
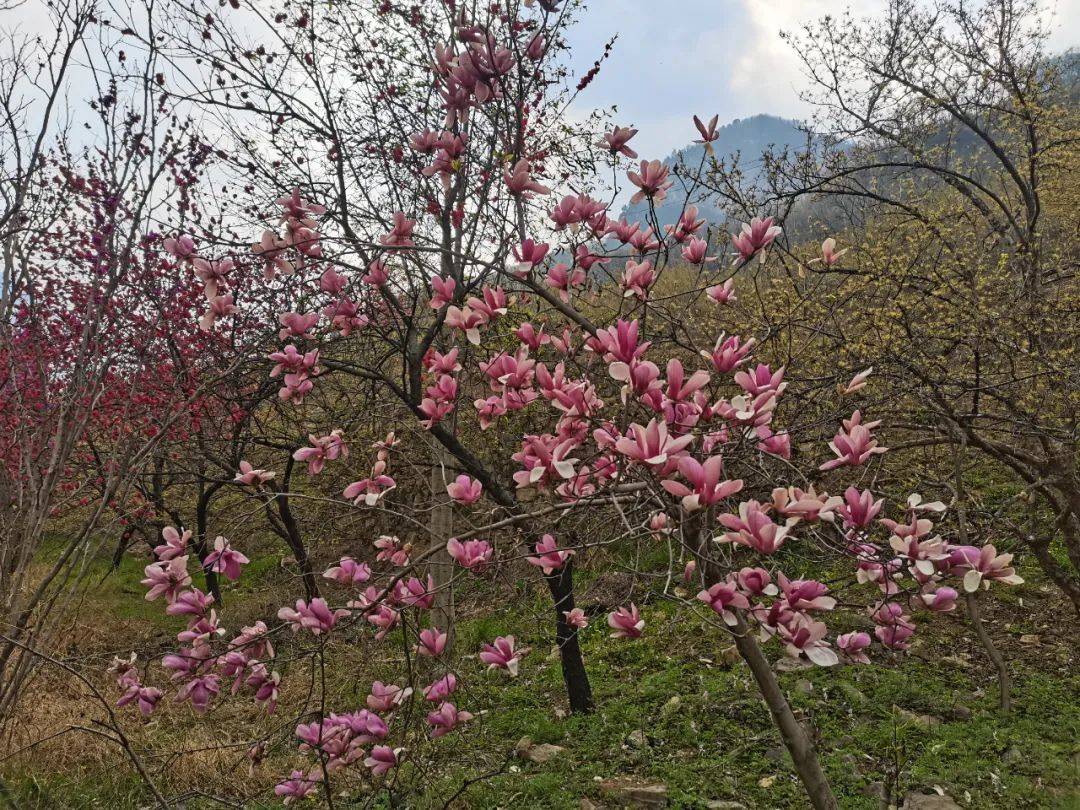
715	741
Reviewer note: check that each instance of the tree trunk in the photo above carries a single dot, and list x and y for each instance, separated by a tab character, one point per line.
578	690
290	532
1004	679
441	526
803	755
795	738
202	549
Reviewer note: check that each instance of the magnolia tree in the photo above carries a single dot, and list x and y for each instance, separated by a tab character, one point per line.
489	304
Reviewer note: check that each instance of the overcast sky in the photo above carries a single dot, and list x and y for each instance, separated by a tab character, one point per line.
675	58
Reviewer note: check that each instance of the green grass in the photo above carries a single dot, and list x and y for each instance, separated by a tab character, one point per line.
708	734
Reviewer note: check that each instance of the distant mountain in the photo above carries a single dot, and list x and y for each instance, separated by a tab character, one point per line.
746	137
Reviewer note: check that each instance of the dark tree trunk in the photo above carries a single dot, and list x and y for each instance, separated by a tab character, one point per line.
202	549
796	740
578	690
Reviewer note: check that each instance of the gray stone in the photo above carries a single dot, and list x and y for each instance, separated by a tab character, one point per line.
788	664
673	704
929	801
724	804
637	739
803	686
544	752
636	794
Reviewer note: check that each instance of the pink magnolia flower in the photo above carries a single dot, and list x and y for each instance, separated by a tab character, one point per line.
377	274
442	688
708	133
651	181
392	549
213	275
182	247
941	600
722	598
442	291
295	325
626	622
694	252
414	593
637	278
576	618
526	256
464	490
432	642
617	139
619	343
370	490
322	449
775	444
331	281
520	181
808	506
857	383
755	582
200	691
296	788
754	238
467	320
829	254
981	566
501	655
224	559
446	718
401	232
166	578
220	306
754	528
894	628
289	360
651	445
859	508
562	278
314	616
803	595
348	572
190	603
707	489
852	646
546	459
761	379
382	759
472	554
145	697
687	225
549	557
272	250
729	353
175	543
386	697
853	445
250	477
266	685
804	635
723	293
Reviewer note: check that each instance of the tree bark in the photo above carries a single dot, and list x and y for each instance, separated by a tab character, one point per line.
798	743
441	526
578	690
202	549
796	740
290	532
1004	679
